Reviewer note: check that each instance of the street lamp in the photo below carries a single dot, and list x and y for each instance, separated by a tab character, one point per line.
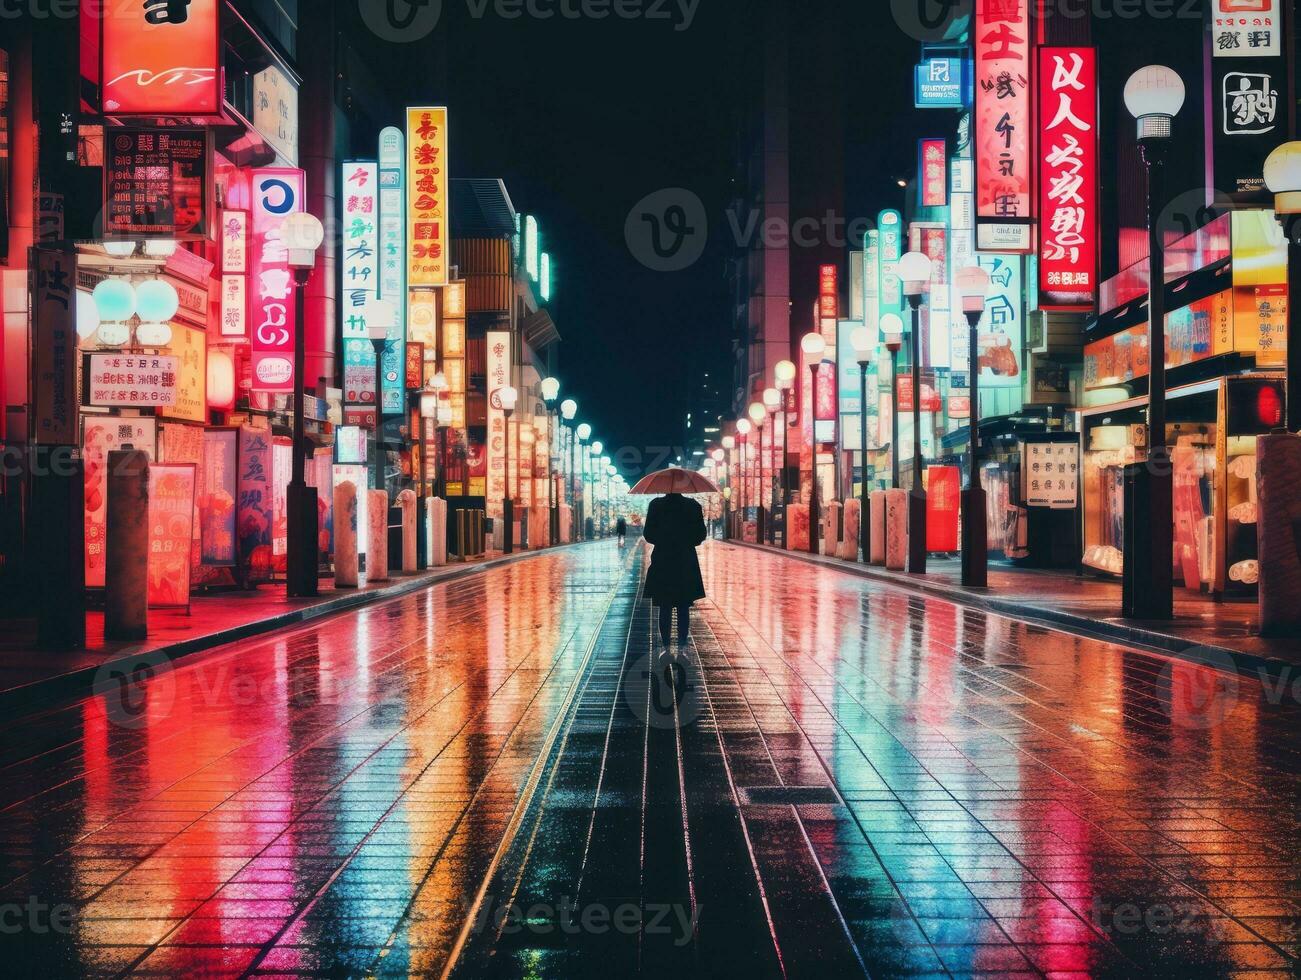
1283	177
568	411
584	432
759	415
590	465
743	430
377	324
729	445
862	341
786	373
550	396
302	235
915	271
772	404
1154	95
429	399
892	337
973	286
508	397
442	419
814	346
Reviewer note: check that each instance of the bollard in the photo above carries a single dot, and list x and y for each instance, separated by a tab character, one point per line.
798	527
410	536
126	548
566	524
436	525
377	536
346	561
876	506
896	530
1278	533
58	506
830	540
848	549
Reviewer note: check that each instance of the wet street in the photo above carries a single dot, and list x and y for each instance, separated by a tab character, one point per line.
493	777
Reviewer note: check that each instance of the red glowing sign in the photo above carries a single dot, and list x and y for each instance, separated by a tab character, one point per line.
1002	117
171	533
277	193
1068	178
828	292
161	58
933	172
942	505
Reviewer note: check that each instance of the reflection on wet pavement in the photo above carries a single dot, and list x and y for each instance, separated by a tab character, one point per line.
496	777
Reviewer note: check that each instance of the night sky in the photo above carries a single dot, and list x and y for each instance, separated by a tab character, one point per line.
584	118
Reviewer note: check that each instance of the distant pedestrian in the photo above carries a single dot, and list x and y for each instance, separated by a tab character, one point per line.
675	525
621	529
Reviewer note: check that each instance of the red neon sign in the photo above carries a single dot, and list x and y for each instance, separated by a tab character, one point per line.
161	59
277	193
1068	177
828	292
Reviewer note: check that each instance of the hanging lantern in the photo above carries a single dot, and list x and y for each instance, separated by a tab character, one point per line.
120	250
160	248
87	315
115	300
221	379
156	300
154	334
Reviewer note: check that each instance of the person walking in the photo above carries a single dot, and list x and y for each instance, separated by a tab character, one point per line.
621	529
675	525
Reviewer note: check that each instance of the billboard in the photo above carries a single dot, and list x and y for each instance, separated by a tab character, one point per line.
277	193
161	59
392	258
429	208
1002	122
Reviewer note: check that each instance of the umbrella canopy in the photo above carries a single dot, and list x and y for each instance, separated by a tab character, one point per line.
673	480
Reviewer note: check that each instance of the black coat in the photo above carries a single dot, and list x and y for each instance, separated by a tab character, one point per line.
675	525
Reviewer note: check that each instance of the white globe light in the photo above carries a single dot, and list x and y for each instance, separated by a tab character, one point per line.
1154	95
154	334
302	234
115	300
973	286
508	397
729	442
915	271
584	432
597	447
785	373
120	250
1283	177
113	334
892	330
87	314
568	409
814	345
550	389
757	413
156	300
743	426
221	380
772	399
863	343
160	248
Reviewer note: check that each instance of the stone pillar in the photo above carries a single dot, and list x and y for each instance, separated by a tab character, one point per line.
436	522
876	504
346	562
377	536
830	528
896	530
126	547
410	543
566	524
848	549
797	526
1278	533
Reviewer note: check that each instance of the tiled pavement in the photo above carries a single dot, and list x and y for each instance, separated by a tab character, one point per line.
490	777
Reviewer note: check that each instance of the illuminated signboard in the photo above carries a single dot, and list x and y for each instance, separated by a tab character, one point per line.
828	292
499	373
277	193
234	273
962	251
361	277
429	209
275	111
544	281
532	248
155	183
890	226
171	533
1003	339
1068	185
101	435
392	258
933	173
942	83
1246	28
131	380
1003	123
161	59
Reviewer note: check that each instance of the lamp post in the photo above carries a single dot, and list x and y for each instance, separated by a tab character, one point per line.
743	432
508	397
377	330
442	419
609	495
428	413
720	468
814	346
892	337
593	464
862	341
568	411
584	432
915	271
973	285
758	416
772	405
1154	95
302	235
1283	177
786	373
550	396
729	446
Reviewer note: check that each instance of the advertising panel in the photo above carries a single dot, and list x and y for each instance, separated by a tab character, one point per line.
1068	185
933	172
499	374
131	380
102	435
1002	341
161	59
942	83
156	183
189	347
171	534
217	501
277	193
428	206
1002	121
253	510
392	260
54	349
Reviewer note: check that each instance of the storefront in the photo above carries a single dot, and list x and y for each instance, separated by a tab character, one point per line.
1226	338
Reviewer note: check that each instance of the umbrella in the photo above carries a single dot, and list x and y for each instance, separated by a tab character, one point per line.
673	480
